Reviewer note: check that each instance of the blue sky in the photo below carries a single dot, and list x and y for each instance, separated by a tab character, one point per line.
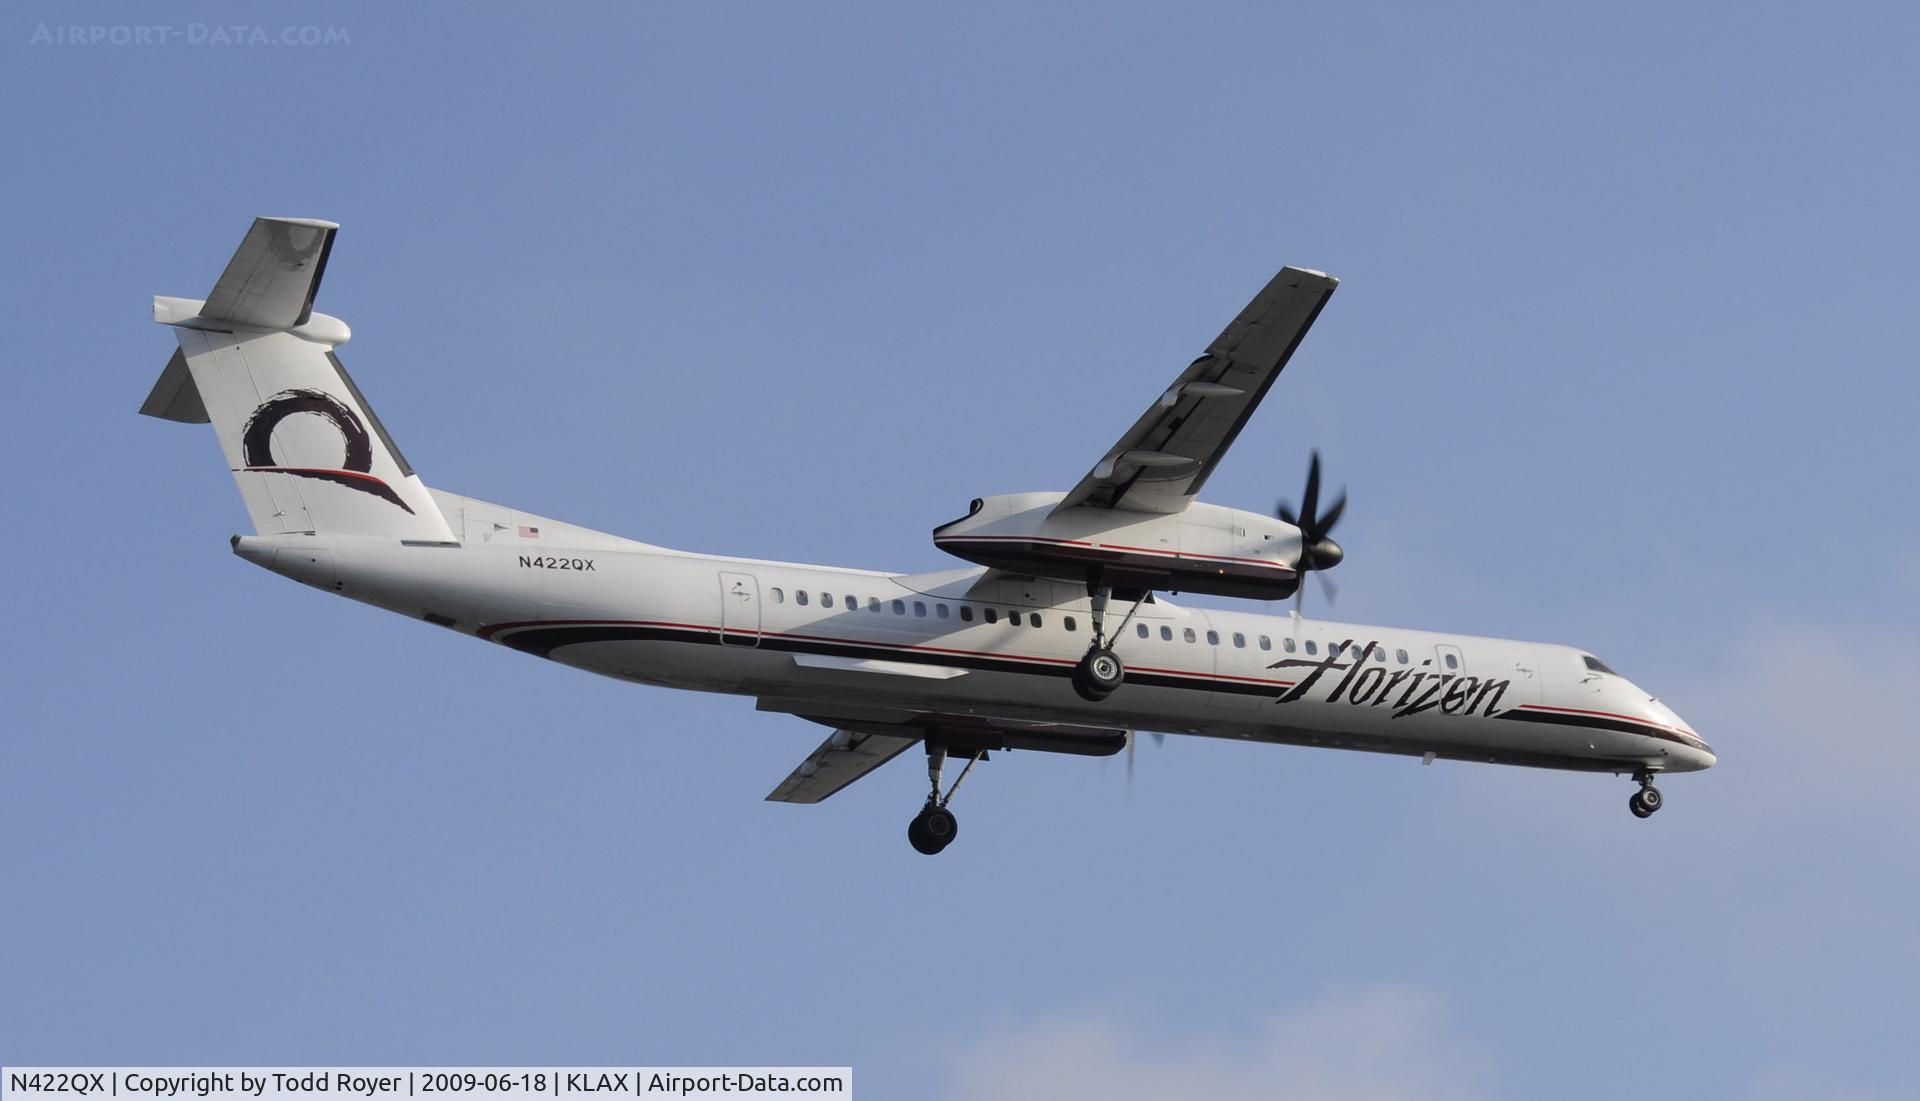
1621	358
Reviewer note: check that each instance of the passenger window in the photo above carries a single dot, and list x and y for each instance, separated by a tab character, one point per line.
1140	629
992	616
1311	646
1266	643
1239	641
1453	662
940	610
1067	622
1033	619
800	597
1166	634
853	603
826	600
920	608
1400	656
779	597
966	613
1013	619
1187	633
899	607
1213	638
873	604
1380	654
1287	645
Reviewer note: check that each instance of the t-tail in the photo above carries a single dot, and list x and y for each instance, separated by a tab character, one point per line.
255	359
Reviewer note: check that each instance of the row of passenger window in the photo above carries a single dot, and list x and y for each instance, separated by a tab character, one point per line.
1265	643
920	608
941	610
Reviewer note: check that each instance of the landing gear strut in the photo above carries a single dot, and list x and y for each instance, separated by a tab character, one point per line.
1100	671
1647	799
935	827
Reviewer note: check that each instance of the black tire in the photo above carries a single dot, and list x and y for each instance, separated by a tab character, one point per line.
918	837
1098	674
1082	685
1650	798
940	825
1638	807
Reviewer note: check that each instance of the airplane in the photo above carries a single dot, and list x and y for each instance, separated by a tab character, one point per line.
1056	637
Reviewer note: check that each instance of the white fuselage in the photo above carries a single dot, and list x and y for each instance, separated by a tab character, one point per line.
839	643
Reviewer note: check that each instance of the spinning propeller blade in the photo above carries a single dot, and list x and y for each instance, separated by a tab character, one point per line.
1318	551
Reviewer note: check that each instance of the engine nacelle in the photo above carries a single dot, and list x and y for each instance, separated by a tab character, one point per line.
1206	549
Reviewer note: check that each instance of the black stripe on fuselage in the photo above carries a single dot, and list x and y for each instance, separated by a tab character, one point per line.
542	641
1600	722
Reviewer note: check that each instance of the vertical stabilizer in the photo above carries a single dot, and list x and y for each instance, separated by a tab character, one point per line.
307	451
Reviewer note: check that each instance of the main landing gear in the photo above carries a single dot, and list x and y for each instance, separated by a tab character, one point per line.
1100	671
1647	799
935	827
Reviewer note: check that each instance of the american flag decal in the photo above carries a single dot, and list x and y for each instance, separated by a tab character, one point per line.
527	532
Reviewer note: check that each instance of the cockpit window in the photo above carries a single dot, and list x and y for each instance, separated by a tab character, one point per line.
1597	665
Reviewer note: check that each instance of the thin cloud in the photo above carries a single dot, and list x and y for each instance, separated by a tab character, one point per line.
1813	724
1386	1043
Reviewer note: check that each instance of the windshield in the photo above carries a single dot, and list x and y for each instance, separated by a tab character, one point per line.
1597	665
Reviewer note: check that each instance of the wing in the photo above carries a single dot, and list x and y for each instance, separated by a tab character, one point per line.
1164	459
844	757
858	746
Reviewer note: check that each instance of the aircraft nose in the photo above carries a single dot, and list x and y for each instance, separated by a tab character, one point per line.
1693	753
1701	756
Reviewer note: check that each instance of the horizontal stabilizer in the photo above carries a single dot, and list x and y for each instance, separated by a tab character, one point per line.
174	396
271	281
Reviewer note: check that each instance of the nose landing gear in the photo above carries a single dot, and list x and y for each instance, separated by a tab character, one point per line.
1647	800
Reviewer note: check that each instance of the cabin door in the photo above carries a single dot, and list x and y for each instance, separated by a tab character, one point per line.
739	610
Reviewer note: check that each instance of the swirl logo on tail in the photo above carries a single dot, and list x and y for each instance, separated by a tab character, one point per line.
356	467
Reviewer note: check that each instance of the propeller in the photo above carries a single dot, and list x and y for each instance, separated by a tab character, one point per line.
1158	739
1318	551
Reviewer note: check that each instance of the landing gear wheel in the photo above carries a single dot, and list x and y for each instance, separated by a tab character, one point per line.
917	837
1645	801
932	830
940	825
1098	674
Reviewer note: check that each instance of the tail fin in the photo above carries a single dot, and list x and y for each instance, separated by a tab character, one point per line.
255	360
